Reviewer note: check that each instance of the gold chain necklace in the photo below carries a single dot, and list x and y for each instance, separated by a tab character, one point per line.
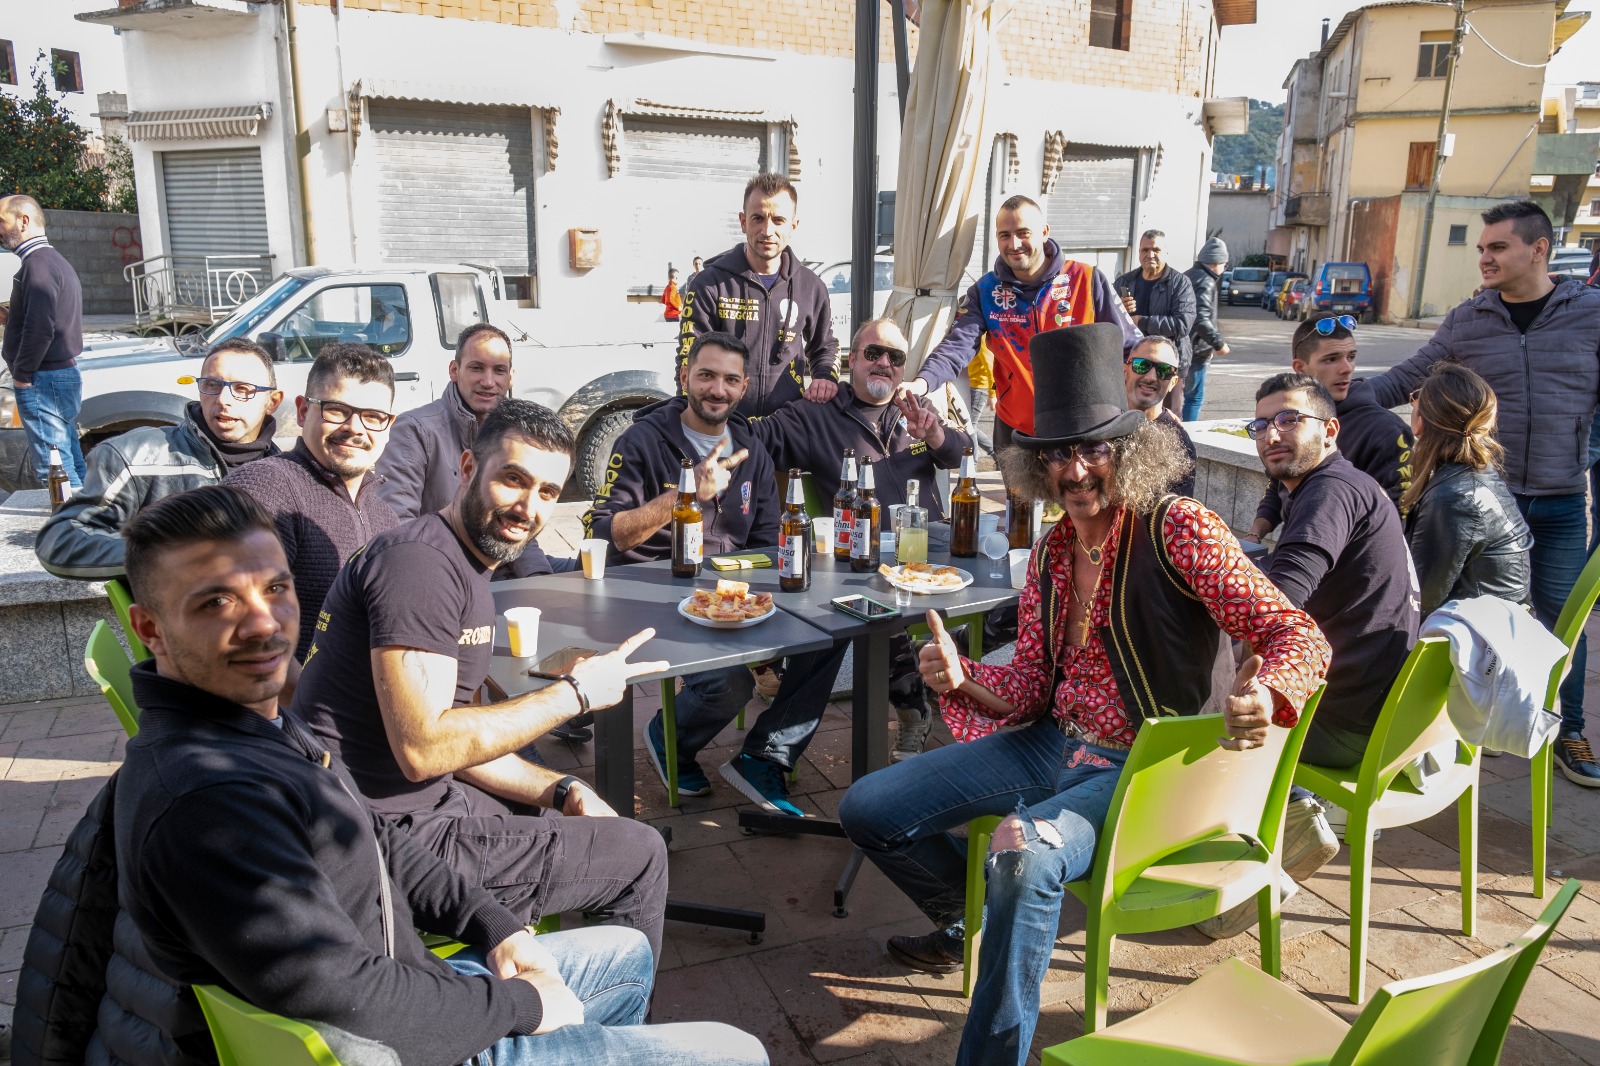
1097	560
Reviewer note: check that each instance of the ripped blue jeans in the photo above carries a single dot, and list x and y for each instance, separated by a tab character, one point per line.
901	817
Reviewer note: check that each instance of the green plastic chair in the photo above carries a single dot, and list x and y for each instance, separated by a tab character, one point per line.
1569	627
247	1036
669	733
1192	831
1378	795
107	663
1237	1014
121	598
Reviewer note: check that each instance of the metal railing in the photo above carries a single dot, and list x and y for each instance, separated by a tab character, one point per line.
177	291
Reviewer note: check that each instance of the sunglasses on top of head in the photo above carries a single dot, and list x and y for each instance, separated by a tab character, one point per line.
1326	326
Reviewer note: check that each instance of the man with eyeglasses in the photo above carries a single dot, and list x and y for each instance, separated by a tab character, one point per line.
1123	615
1150	375
229	426
322	495
904	438
1372	437
1341	558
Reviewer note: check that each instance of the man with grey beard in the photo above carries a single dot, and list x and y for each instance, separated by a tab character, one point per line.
403	642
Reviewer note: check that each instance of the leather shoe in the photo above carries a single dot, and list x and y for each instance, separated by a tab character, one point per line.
930	953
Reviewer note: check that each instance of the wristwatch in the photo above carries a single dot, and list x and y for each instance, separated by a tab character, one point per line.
558	798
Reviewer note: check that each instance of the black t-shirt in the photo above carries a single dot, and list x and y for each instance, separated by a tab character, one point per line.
1523	313
1342	558
1142	288
418	587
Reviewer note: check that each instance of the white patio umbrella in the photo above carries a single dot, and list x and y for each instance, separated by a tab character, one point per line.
944	153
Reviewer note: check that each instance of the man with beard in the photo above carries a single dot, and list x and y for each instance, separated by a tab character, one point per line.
229	426
405	639
322	495
904	439
1374	438
738	498
1162	303
1150	375
1129	597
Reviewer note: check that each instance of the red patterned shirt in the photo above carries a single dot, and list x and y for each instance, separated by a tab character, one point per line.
1237	596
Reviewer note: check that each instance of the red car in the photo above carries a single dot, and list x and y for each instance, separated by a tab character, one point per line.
1291	303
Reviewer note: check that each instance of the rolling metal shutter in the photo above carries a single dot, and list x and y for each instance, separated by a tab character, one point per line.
455	183
1092	205
684	179
215	202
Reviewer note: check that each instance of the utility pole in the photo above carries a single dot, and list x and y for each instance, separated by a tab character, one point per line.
1438	156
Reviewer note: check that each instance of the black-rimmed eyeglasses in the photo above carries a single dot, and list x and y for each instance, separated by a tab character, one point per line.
242	391
1284	420
337	414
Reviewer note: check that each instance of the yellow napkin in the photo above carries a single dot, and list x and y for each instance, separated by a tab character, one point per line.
740	562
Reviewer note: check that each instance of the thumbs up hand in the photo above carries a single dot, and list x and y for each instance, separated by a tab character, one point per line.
939	662
1248	710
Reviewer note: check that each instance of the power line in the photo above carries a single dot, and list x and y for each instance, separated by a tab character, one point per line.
1514	62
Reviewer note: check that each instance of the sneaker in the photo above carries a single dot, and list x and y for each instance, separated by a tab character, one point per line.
575	728
1308	843
768	679
1338	819
915	724
692	781
762	781
1237	919
937	952
1576	759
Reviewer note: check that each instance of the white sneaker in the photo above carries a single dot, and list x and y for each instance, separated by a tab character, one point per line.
913	734
1237	919
1308	842
1337	818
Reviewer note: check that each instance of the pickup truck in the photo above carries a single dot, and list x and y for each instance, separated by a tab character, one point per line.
412	314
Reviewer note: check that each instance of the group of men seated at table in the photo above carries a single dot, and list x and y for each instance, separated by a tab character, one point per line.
316	772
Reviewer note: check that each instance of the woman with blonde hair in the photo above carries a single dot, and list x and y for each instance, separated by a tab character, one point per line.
1467	537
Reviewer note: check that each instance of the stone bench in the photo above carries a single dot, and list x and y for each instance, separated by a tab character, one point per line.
1228	478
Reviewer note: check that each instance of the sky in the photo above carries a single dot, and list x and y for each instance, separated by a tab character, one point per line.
1289	29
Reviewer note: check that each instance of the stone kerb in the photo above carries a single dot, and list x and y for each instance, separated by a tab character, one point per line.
1228	478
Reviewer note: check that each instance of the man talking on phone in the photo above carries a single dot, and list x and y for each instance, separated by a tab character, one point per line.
738	495
401	647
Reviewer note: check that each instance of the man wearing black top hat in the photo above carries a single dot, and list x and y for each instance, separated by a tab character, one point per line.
1054	777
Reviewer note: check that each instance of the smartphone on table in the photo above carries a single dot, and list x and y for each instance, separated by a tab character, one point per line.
865	608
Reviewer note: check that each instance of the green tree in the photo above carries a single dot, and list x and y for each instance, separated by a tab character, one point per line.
42	151
1244	153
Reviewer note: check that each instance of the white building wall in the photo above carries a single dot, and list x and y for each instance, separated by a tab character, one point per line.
33	26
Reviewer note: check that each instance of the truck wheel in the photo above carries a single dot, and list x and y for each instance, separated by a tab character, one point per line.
594	451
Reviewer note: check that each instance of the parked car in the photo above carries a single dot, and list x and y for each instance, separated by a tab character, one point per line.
1223	284
1293	297
1571	261
1343	288
1274	286
594	384
1245	284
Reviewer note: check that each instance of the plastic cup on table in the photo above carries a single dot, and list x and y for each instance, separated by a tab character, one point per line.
988	523
995	546
592	553
522	631
1019	566
822	535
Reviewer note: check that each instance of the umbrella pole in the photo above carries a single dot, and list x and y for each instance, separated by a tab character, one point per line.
902	57
864	209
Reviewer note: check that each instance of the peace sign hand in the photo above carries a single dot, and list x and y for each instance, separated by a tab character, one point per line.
921	422
713	473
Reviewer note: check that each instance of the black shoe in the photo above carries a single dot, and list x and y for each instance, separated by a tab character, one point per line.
937	952
575	728
1576	760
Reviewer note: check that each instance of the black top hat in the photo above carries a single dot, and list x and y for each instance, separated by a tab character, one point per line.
1078	391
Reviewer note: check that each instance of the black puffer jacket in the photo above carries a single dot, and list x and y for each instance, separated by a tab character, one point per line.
1467	538
88	994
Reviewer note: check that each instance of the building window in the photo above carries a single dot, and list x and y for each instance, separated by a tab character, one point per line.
1110	23
1419	165
1458	235
67	71
8	64
1434	53
1594	208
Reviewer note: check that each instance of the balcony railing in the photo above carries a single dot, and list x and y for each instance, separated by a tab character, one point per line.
1308	209
171	292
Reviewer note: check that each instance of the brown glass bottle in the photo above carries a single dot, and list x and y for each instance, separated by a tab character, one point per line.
964	509
688	527
865	518
1022	520
57	481
794	539
843	517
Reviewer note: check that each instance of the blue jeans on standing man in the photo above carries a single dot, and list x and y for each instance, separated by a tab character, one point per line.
902	817
1559	539
49	411
610	970
1194	390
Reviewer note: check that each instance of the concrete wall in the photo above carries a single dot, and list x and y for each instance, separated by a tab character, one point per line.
1241	219
1452	268
98	244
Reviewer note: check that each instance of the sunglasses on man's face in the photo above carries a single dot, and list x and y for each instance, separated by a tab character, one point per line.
1093	455
1142	366
873	352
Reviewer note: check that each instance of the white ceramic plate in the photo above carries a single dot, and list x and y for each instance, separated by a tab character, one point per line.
683	609
895	578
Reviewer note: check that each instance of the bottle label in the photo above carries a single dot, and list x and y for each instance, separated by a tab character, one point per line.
693	543
843	528
861	541
792	557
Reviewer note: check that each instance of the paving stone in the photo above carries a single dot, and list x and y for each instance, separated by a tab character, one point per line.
71	798
1504	846
1563	1012
8	749
8	988
22	808
1320	967
1529	1047
713	876
730	991
12	943
84	717
22	879
29	724
1388	888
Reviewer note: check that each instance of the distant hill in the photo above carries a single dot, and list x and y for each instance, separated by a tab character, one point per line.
1243	153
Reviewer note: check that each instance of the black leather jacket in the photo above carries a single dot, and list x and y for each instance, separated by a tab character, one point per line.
1205	337
1468	538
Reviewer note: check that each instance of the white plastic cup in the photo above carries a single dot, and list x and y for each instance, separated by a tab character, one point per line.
988	523
1019	566
886	545
822	535
592	553
894	515
522	631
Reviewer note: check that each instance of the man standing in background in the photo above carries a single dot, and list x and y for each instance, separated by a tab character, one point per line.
1162	304
1205	338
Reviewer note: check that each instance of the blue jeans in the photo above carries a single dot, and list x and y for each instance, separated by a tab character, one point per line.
1194	390
711	700
901	818
1559	538
610	970
49	411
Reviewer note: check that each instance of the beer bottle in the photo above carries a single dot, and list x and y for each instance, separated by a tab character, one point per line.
794	539
843	517
964	509
688	527
60	485
864	512
1023	518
